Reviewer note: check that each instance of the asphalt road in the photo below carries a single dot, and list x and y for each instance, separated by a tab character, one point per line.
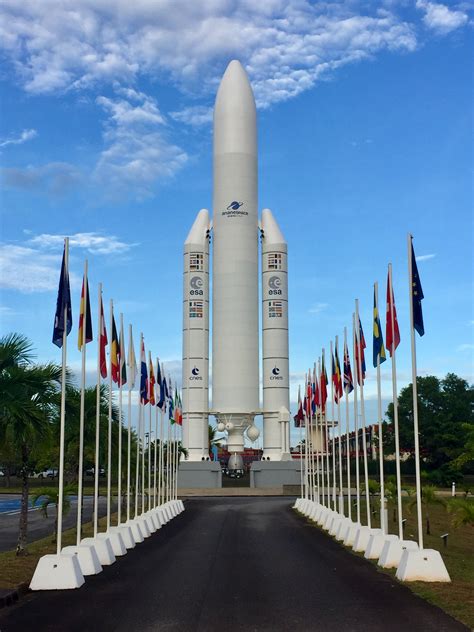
38	525
233	564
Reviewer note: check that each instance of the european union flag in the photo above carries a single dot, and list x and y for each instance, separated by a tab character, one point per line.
63	304
379	349
416	295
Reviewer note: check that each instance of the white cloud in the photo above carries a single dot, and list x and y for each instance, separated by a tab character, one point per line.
441	18
7	312
94	243
425	257
317	308
26	134
195	115
54	178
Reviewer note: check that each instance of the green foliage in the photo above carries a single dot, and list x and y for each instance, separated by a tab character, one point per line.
213	439
446	425
462	510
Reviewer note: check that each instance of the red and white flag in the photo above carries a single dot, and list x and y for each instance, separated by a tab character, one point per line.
392	332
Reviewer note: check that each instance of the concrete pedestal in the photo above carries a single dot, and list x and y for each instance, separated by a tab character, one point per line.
136	530
336	523
274	473
425	565
376	544
351	533
87	558
103	548
393	550
200	474
118	547
127	535
362	538
342	529
57	572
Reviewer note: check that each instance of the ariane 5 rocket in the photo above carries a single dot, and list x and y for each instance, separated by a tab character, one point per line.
235	294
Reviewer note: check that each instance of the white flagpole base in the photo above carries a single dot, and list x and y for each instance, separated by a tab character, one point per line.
342	528
57	572
376	544
149	522
362	538
118	546
336	523
322	515
313	512
127	535
154	518
304	507
135	528
297	504
86	556
393	550
143	524
422	565
181	504
168	511
162	514
351	533
103	548
329	520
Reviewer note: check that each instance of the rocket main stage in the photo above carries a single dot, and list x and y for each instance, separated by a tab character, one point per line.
235	232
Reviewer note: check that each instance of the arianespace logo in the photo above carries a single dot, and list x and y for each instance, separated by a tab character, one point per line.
234	209
276	374
195	374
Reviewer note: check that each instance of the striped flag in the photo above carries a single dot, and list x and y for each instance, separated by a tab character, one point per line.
299	417
103	342
115	353
63	304
131	361
392	335
84	313
151	381
122	357
338	379
348	383
323	380
360	355
378	347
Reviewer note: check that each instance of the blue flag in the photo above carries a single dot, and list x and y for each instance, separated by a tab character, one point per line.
143	376
379	349
63	304
416	295
159	382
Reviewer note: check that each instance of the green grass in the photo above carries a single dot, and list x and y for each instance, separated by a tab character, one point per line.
457	597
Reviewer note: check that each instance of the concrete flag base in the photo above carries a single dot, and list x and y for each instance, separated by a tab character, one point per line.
118	546
362	538
180	505
351	533
422	565
152	515
329	520
297	504
376	544
57	572
305	504
140	520
149	522
103	548
158	517
335	525
313	512
87	558
392	552
342	529
127	535
136	531
162	513
322	515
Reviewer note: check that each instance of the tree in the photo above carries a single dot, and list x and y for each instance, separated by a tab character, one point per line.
429	497
463	511
48	497
446	415
213	438
29	398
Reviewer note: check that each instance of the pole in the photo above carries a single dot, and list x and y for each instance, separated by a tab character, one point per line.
333	440
109	436
137	465
62	413
161	464
341	495
318	438
348	446
155	455
97	417
383	526
149	431
80	468
129	420
356	420
395	407
362	410
415	397
326	443
119	460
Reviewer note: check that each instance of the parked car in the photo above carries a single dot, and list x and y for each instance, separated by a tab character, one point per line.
90	471
50	473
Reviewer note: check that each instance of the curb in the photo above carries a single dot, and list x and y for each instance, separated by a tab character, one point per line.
10	596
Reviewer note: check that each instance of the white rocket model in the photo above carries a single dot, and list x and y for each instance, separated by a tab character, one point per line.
235	284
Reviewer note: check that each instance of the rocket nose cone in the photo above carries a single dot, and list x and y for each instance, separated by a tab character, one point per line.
235	86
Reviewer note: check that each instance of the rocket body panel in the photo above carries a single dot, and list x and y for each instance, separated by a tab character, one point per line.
196	338
235	337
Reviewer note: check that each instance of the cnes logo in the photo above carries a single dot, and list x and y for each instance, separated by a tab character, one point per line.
276	374
195	374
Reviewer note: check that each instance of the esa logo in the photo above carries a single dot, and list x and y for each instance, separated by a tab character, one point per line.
196	284
274	284
275	374
195	374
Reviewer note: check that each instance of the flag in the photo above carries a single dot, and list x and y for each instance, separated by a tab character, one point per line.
348	383
178	415
338	384
165	390
313	392
85	309
299	417
416	295
317	397
323	379
379	349
392	335
115	353
170	402
360	355
143	375
309	396
122	358
151	381
103	342
63	304
159	384
131	361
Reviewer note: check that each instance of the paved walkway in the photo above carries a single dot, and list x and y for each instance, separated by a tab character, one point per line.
233	564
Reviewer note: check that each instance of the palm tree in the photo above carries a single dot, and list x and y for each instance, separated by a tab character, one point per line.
429	497
463	511
29	397
213	439
48	497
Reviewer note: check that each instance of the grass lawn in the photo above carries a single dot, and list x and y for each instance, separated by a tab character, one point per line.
456	598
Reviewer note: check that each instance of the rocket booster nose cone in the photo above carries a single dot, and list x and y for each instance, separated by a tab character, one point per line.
270	228
235	116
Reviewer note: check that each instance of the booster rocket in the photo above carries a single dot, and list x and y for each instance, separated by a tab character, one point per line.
235	293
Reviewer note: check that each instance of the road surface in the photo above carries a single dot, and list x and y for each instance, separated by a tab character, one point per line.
233	564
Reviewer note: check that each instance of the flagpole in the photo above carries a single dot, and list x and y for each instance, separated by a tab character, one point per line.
333	441
348	446
139	430
395	406
109	436
305	417
356	420
97	416
151	386
161	464
326	438
80	468
143	447
63	411
129	419
341	494
318	436
155	455
119	460
383	525
310	408
362	410
415	396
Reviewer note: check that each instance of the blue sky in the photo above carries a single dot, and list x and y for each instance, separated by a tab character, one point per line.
365	133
